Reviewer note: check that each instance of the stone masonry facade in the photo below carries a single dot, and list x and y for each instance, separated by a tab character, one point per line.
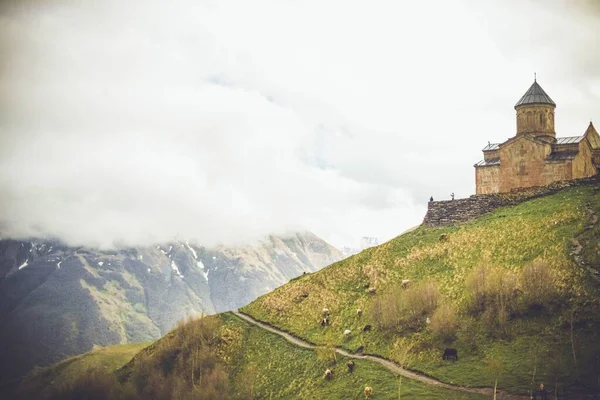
535	156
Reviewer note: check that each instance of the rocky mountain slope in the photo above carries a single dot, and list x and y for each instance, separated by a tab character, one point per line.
57	301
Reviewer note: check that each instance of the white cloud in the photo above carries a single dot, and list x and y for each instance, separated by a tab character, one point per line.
137	122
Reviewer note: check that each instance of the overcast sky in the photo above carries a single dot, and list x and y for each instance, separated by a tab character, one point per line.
135	122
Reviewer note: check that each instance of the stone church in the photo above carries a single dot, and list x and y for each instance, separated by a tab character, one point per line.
535	156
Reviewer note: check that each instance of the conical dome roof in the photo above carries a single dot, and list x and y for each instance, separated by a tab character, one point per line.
535	95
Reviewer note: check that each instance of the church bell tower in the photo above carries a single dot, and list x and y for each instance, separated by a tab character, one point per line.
535	113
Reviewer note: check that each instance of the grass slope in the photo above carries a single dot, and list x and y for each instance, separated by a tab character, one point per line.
259	365
285	371
109	359
508	239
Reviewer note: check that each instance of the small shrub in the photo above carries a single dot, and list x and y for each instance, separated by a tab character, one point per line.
419	300
444	323
538	285
400	309
491	293
386	310
467	333
476	289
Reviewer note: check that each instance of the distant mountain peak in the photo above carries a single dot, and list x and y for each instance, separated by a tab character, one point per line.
364	243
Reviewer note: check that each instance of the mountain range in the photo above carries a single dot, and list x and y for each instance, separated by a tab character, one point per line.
57	301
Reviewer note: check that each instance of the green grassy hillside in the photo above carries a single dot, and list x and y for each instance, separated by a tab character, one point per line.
105	359
513	291
224	357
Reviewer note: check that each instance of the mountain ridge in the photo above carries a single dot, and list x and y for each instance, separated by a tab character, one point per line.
57	301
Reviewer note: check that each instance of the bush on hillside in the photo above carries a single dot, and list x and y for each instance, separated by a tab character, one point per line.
477	289
400	309
419	301
444	322
492	293
185	365
385	310
538	285
98	385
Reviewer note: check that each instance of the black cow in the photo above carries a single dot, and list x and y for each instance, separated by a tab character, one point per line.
350	365
450	354
367	328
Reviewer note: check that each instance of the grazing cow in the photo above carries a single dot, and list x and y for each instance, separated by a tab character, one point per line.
328	374
450	354
541	394
324	322
347	332
405	283
360	349
368	392
325	312
350	365
372	291
367	328
359	313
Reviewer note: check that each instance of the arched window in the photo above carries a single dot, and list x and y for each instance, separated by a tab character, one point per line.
542	119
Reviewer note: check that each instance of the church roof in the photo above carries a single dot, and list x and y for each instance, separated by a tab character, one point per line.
562	155
491	147
535	95
488	163
569	140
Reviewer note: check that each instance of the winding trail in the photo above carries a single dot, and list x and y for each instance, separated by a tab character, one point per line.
577	247
390	365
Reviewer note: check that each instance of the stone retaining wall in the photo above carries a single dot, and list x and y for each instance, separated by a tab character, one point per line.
442	213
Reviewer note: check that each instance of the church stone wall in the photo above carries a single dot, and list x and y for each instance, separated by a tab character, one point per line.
523	164
449	212
558	171
487	179
596	157
583	165
488	155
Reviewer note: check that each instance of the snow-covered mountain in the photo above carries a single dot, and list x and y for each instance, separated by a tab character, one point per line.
57	301
364	243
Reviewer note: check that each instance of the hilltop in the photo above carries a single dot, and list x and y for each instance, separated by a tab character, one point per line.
515	291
